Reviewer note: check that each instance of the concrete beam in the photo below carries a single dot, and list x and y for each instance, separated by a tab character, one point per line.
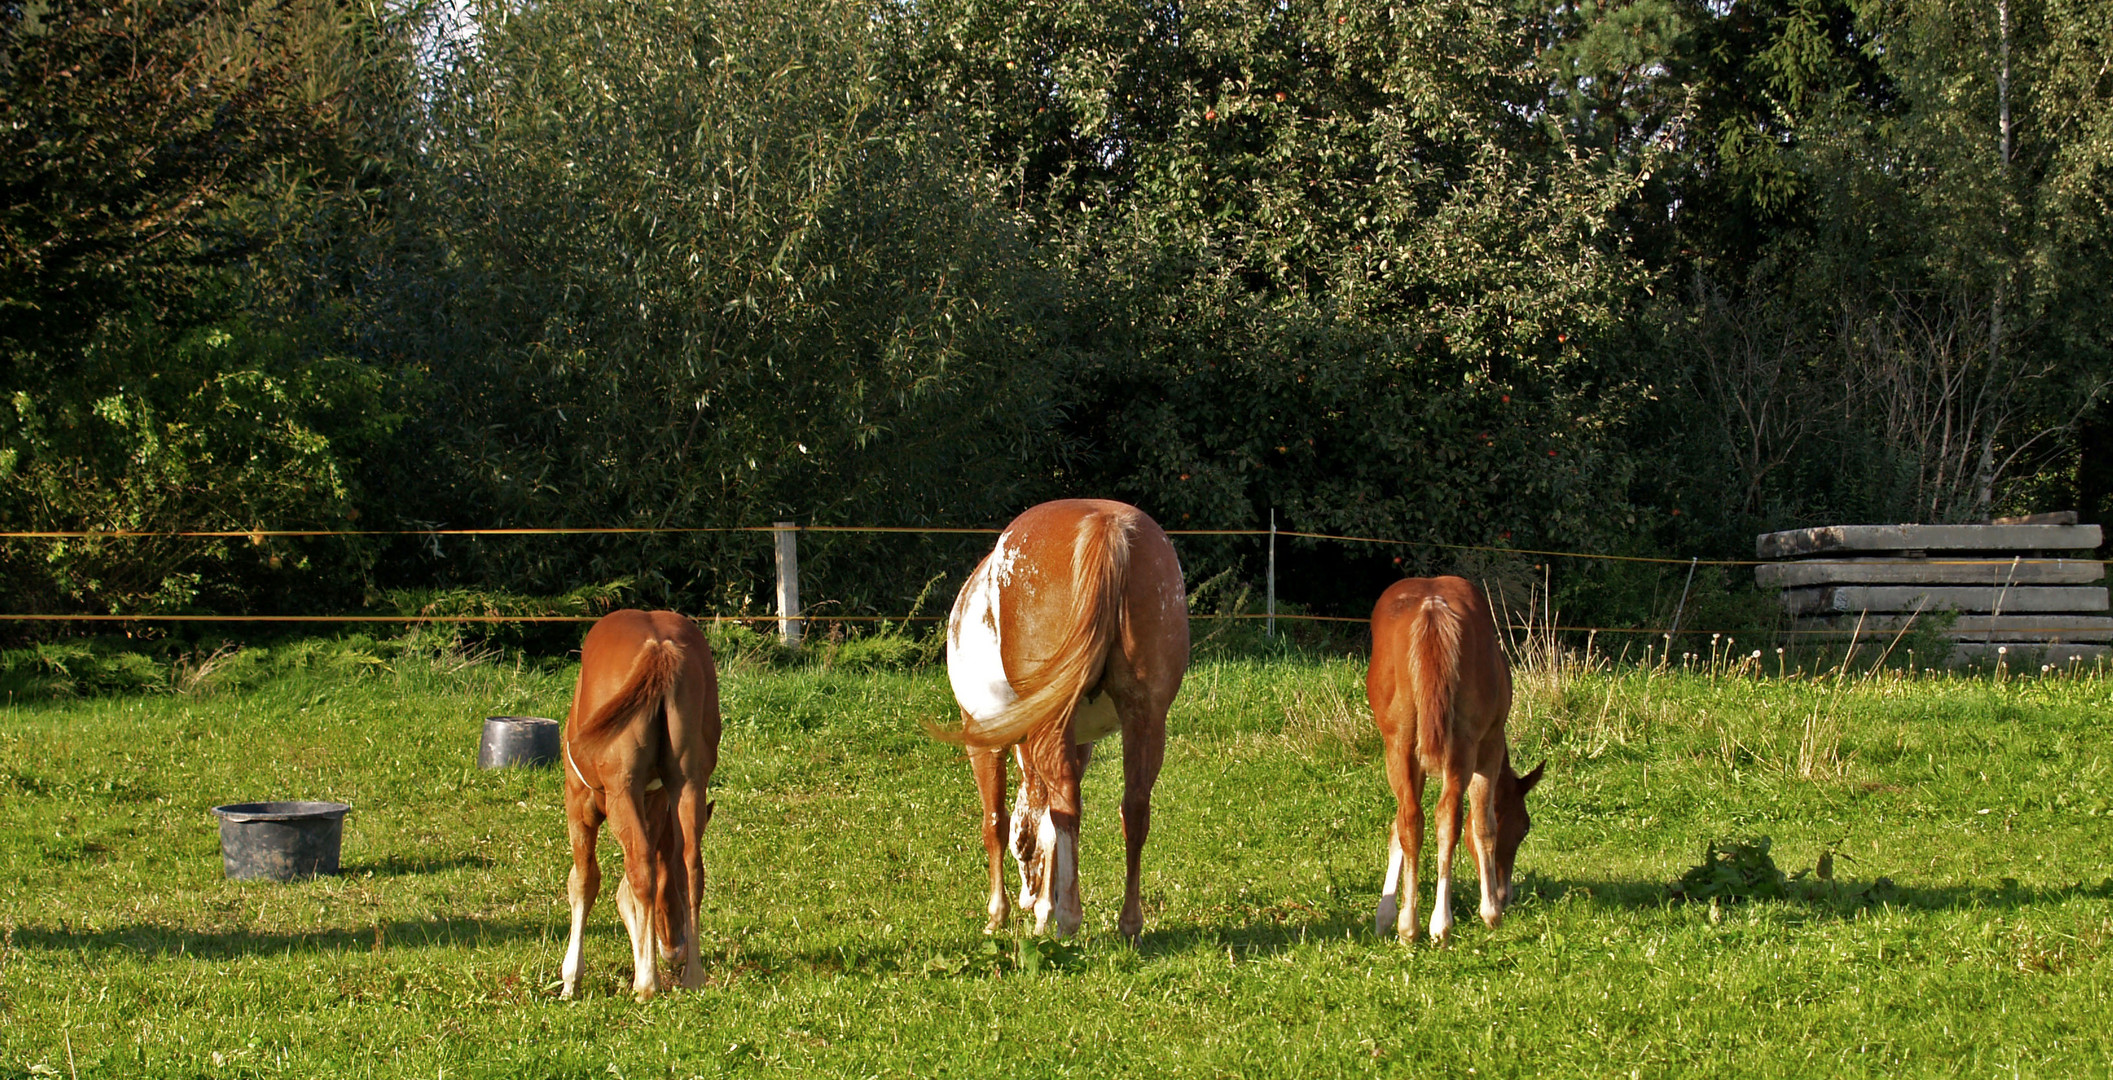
1963	570
1874	538
1850	599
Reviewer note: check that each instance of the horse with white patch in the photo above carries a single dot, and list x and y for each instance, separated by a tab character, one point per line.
1073	627
640	745
1440	691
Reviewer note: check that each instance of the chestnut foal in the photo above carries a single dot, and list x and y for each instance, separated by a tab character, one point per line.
1440	691
640	745
1074	626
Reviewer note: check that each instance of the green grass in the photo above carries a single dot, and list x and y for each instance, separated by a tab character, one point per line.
843	913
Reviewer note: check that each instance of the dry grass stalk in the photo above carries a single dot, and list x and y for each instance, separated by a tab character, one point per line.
194	675
1330	713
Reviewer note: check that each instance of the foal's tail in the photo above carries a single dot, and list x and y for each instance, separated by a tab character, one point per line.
1100	555
1434	675
653	674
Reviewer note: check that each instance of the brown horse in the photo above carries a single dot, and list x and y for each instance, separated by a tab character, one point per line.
1075	625
640	745
1440	691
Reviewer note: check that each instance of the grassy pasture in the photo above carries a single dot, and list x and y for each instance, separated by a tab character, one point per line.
1963	931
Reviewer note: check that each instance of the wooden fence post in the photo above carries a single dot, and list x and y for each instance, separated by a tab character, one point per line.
789	623
1269	628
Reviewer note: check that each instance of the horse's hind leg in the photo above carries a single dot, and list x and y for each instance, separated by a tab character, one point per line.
1056	904
989	769
1482	833
639	886
693	746
1448	839
1144	749
1397	912
638	923
693	812
582	822
672	922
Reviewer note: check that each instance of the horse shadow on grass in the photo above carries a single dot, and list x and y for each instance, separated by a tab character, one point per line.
152	941
411	865
1836	896
1804	897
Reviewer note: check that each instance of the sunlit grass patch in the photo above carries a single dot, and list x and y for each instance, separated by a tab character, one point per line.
1960	925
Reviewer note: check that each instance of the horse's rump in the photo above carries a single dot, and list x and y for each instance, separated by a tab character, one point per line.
654	671
1100	560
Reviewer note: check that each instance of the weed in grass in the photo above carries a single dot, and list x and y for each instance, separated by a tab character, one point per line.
197	674
1732	870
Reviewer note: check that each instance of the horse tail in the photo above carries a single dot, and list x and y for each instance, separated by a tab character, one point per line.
1100	554
653	674
1434	672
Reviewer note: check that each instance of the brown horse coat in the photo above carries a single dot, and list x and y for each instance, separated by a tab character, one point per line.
1073	627
640	745
1440	690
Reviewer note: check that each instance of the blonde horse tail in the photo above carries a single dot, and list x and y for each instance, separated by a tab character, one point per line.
653	675
1434	671
1050	694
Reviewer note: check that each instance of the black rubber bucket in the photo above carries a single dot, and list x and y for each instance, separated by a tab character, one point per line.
280	841
517	740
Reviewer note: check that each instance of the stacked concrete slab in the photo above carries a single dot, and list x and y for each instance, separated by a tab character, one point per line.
2026	585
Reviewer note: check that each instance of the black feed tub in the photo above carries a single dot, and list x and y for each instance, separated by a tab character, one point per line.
517	740
280	841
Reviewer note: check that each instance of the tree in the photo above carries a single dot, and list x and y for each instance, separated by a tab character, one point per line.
1323	260
1889	267
694	265
142	390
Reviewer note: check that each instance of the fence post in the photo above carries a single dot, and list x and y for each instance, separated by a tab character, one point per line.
1682	608
789	624
1269	628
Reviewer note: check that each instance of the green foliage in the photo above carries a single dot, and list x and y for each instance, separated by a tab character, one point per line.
1740	871
742	648
1635	278
1321	265
142	390
711	273
1887	306
219	427
127	132
78	668
884	648
584	602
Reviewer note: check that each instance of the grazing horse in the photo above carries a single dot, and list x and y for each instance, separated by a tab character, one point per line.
1075	625
640	745
1440	690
